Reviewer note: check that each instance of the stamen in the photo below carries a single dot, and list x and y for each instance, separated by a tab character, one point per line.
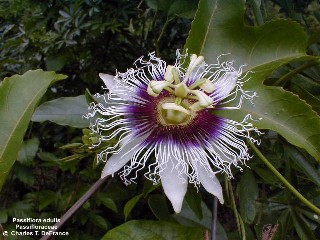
194	61
168	76
204	99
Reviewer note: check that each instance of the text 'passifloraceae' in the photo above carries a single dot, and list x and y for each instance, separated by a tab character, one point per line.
164	123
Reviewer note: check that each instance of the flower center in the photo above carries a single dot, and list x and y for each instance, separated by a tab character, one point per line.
170	113
187	100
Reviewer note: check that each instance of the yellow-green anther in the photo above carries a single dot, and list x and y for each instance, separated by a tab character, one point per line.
198	61
193	58
168	76
158	86
203	99
181	90
194	61
175	75
207	86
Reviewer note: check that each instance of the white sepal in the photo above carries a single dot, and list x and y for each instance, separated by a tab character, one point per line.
118	160
174	183
210	182
115	88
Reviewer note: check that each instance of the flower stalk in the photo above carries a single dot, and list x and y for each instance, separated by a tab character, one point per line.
75	207
214	219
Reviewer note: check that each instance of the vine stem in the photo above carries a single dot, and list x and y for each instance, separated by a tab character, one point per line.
75	207
214	219
287	76
284	181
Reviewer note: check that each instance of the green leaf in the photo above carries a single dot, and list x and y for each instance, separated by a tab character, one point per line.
313	101
193	198
163	5
267	176
310	215
159	207
284	113
19	96
256	8
301	226
89	97
304	164
149	187
49	158
248	193
107	202
24	174
285	222
219	28
28	151
153	230
99	221
20	209
55	63
188	218
63	111
130	205
46	198
181	8
3	216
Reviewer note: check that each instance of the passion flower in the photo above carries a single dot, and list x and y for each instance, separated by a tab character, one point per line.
163	118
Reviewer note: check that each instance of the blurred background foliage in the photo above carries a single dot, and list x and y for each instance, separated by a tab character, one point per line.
81	38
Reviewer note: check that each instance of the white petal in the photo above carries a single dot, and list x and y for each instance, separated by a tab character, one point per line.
210	182
117	161
174	184
121	91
